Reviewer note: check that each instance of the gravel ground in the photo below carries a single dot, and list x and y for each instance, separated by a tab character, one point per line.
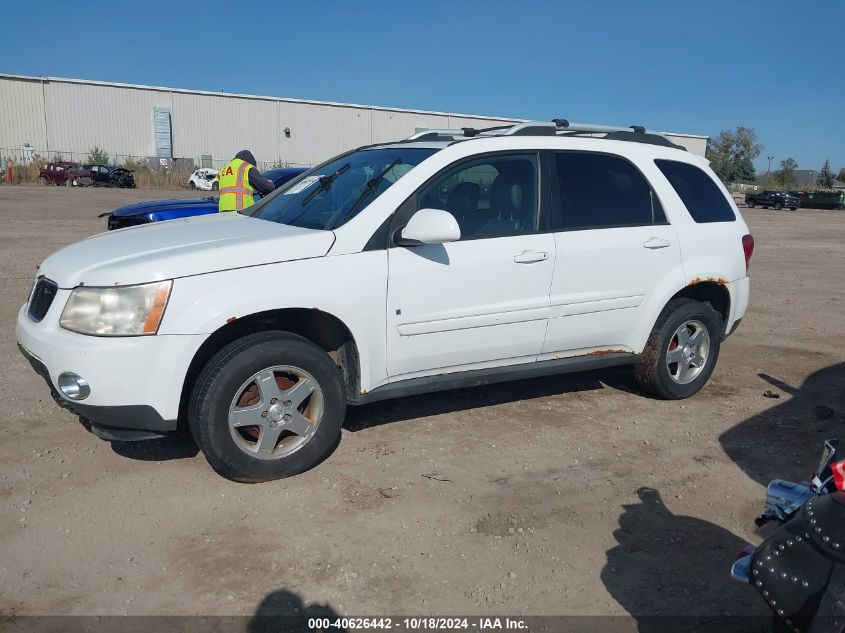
575	494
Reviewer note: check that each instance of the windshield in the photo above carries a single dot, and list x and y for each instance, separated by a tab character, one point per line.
335	192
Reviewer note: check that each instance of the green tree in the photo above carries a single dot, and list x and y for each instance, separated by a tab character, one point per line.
732	153
98	156
841	175
786	174
825	179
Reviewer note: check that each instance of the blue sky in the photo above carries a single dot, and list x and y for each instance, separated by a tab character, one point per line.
671	65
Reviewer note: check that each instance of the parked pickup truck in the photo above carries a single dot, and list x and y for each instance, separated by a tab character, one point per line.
776	199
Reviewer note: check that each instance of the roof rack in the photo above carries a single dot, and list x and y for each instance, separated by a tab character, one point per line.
555	127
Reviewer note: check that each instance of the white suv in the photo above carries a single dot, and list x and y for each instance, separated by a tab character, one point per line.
450	259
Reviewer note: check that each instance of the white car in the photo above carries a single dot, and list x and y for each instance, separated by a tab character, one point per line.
453	258
204	179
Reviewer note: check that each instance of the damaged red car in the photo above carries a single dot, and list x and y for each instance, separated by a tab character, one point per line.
61	173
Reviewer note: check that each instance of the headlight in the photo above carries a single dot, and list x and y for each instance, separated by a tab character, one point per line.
118	311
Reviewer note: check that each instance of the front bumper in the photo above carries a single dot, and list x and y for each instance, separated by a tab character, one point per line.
128	422
136	382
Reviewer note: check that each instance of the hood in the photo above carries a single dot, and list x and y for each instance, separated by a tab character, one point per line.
180	248
246	156
140	208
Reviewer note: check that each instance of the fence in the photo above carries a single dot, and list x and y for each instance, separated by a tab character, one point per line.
150	171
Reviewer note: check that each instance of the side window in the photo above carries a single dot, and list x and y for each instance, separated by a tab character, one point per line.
701	196
602	191
489	197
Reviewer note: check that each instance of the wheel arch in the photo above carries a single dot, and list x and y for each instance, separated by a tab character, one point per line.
713	291
321	328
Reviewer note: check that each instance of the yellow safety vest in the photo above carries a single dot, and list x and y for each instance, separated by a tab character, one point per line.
233	182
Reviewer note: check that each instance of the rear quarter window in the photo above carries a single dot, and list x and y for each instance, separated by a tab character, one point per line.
701	196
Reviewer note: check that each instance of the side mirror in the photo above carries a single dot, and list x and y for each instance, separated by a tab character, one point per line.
430	226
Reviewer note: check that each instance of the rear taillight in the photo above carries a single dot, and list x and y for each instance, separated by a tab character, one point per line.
747	248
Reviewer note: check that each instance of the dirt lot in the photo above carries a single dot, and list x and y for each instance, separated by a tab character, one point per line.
573	494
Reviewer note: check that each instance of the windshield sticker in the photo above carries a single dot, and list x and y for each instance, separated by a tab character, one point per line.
302	185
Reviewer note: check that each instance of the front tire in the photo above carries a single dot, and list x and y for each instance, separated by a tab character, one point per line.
681	351
267	406
750	205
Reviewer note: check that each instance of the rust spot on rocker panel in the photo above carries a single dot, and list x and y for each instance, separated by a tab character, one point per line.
597	352
604	352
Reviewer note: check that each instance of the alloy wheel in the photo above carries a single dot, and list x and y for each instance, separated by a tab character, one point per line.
276	412
689	348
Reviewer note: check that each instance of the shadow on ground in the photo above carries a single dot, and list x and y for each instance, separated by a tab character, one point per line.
283	611
441	402
671	572
785	441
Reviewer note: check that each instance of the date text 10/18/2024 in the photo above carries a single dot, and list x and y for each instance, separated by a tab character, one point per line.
418	624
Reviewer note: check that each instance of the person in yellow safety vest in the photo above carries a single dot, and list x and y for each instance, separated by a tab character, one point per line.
238	181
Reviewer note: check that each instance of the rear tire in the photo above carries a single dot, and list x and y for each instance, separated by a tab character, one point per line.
750	205
43	181
215	186
230	402
677	380
793	208
192	185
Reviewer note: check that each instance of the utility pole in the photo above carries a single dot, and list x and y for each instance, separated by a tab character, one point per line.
769	170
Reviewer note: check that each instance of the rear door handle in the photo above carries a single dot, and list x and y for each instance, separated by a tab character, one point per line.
656	242
529	257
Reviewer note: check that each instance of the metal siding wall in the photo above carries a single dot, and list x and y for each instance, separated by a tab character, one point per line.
392	126
116	119
222	126
119	119
319	132
22	118
693	144
455	122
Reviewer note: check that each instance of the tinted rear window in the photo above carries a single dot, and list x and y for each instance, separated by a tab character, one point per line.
602	191
701	196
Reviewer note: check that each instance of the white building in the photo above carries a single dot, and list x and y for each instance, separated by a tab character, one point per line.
56	117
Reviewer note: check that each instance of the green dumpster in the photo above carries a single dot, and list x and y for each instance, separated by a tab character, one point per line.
823	200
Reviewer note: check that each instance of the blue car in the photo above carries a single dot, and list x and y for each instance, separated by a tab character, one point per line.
159	210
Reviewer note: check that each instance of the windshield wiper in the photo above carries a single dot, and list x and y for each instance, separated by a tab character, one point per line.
372	183
325	183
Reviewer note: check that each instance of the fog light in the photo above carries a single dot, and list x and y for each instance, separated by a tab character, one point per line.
73	386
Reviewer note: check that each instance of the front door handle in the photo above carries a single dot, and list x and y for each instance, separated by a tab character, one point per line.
529	257
656	242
